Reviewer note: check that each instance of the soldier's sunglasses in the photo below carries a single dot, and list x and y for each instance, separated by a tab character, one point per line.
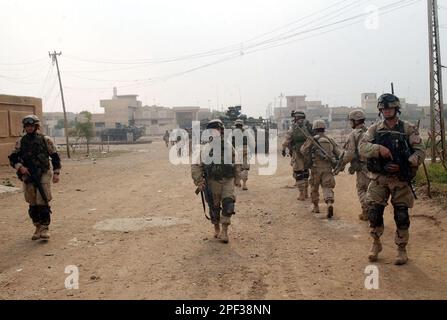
28	121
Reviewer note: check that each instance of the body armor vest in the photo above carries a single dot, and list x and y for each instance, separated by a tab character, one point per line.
397	142
298	138
219	171
34	152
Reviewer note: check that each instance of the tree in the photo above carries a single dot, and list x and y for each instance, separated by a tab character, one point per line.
83	128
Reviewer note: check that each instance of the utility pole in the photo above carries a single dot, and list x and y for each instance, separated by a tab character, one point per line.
53	56
437	127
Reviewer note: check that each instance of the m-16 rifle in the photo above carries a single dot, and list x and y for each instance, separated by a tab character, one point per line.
319	147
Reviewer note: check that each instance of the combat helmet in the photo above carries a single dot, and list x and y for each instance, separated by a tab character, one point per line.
319	124
388	100
299	114
30	119
357	115
215	124
239	122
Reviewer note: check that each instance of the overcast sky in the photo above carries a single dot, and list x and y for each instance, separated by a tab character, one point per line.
125	43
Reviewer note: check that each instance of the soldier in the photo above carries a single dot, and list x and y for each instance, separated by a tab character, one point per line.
324	152
166	138
248	146
295	138
358	163
31	159
394	151
217	180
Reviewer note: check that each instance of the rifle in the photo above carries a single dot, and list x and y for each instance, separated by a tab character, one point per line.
207	196
317	144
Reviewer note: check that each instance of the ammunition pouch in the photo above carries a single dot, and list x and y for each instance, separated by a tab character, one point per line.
356	166
219	171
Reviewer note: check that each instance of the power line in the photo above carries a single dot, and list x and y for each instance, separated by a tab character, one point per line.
272	43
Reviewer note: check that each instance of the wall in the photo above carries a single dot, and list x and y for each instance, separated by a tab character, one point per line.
12	110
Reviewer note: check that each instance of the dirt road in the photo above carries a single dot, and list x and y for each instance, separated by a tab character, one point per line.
135	229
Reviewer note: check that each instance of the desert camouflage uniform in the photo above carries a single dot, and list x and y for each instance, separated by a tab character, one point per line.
294	139
358	165
384	186
37	149
222	189
321	172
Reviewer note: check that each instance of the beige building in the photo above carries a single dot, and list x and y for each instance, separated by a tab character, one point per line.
120	110
313	109
12	111
155	119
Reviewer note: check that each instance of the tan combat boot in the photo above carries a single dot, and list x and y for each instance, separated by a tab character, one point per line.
301	196
375	250
330	210
401	241
364	215
36	234
402	257
224	233
216	230
316	208
244	185
44	233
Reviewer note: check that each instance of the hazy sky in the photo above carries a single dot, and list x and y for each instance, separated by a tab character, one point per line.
125	43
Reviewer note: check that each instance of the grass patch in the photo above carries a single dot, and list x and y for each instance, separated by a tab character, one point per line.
438	179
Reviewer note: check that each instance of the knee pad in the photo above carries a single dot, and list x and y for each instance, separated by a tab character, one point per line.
228	207
301	175
306	174
34	214
401	217
45	217
375	215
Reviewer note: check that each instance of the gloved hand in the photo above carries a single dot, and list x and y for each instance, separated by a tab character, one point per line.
201	185
413	160
237	182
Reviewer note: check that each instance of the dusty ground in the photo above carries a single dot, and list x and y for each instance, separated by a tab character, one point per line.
278	249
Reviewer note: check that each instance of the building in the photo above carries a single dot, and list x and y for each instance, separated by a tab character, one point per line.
120	110
313	109
12	110
155	119
53	120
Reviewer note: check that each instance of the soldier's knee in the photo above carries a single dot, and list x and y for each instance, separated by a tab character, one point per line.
301	174
375	215
34	214
45	214
228	207
401	217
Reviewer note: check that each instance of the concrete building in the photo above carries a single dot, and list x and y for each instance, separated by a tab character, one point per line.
12	110
313	109
155	119
120	110
51	120
185	115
